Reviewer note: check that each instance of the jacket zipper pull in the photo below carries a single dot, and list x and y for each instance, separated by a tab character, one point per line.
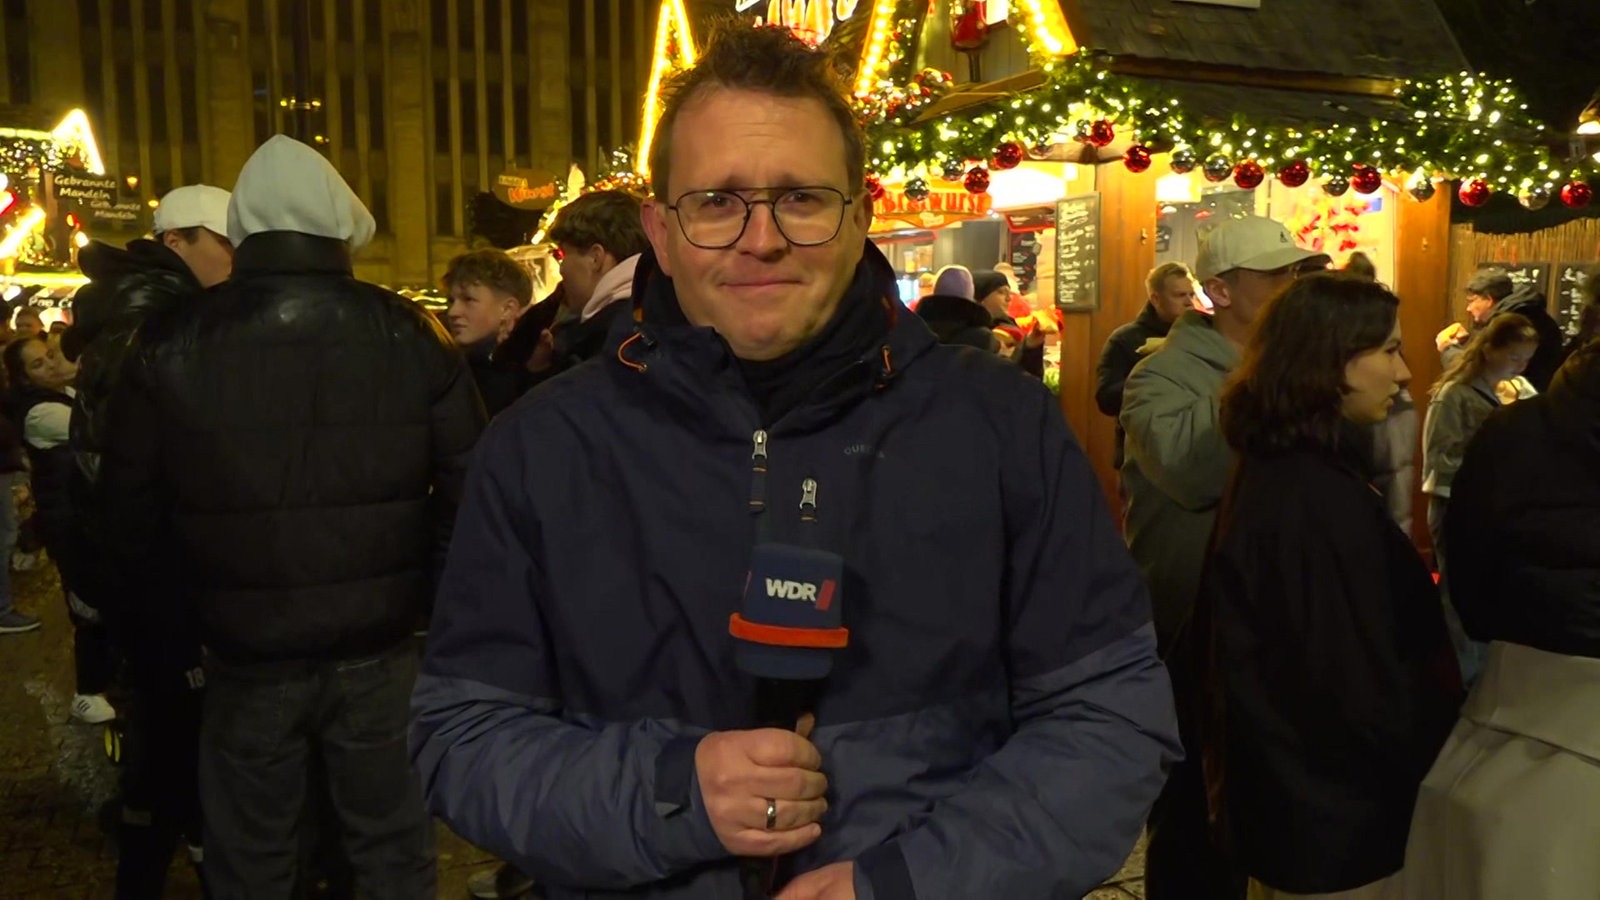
808	500
758	472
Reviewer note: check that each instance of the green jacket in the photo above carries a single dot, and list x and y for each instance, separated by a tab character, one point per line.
1176	465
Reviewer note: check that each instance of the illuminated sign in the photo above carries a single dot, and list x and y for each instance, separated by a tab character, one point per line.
945	204
812	19
525	188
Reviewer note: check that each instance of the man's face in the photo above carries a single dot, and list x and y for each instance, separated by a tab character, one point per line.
478	313
581	270
1243	293
209	256
1175	297
764	295
1479	307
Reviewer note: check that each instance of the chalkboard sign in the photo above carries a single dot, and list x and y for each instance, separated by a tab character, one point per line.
1570	296
1536	274
1078	253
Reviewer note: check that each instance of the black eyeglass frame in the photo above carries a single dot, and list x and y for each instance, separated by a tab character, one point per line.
750	207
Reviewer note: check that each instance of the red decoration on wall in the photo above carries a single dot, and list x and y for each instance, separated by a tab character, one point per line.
1137	159
969	24
1102	133
874	186
977	180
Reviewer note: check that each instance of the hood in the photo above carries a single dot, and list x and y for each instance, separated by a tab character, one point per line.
1522	299
1195	334
108	268
287	186
955	311
1574	399
614	285
104	262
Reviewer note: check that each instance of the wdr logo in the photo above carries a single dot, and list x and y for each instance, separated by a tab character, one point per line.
803	591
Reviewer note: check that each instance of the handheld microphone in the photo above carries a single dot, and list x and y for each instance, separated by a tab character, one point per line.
788	627
785	634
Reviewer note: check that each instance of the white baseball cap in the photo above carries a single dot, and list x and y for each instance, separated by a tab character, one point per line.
1253	242
192	205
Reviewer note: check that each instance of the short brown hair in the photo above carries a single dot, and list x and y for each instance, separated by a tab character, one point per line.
1159	275
1289	390
608	218
770	60
495	270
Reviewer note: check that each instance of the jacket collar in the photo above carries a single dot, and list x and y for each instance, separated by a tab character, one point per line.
1195	333
1151	320
697	368
290	252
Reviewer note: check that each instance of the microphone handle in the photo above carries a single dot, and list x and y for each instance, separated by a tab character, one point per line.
779	704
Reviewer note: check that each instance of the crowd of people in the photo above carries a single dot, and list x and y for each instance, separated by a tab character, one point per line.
1320	664
715	574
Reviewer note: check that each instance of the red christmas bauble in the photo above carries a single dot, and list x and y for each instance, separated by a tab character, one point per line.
1294	174
977	180
1577	194
1009	155
1102	133
1137	159
1475	192
1248	174
1366	180
874	186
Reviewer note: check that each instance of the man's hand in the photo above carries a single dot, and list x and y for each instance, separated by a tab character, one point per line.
1454	333
835	882
740	771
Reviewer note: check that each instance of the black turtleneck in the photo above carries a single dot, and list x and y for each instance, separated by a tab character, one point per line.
779	385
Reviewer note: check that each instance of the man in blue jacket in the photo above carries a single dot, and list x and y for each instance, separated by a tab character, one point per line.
999	722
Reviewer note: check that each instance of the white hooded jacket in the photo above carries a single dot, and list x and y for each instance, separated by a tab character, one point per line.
287	186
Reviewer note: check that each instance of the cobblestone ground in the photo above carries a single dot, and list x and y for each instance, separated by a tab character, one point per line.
55	779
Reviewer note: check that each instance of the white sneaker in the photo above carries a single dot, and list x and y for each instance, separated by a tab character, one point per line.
92	709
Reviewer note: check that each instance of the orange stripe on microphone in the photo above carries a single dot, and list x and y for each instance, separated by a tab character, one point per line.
781	636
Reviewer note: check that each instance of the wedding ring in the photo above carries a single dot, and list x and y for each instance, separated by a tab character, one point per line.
772	814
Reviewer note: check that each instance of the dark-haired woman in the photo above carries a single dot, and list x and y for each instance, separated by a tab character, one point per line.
40	405
1330	682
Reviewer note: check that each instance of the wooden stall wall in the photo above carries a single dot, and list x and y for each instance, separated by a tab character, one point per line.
1423	283
1577	241
1127	253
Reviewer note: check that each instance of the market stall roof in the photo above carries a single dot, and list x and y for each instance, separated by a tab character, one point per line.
1216	102
1367	38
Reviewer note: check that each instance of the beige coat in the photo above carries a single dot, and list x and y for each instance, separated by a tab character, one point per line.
1511	808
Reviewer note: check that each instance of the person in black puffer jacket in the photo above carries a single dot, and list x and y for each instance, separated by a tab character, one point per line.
286	457
190	252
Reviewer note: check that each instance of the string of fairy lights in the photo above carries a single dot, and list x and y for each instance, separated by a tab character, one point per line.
1467	127
1464	127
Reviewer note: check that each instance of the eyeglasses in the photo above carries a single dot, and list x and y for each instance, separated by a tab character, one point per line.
805	216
